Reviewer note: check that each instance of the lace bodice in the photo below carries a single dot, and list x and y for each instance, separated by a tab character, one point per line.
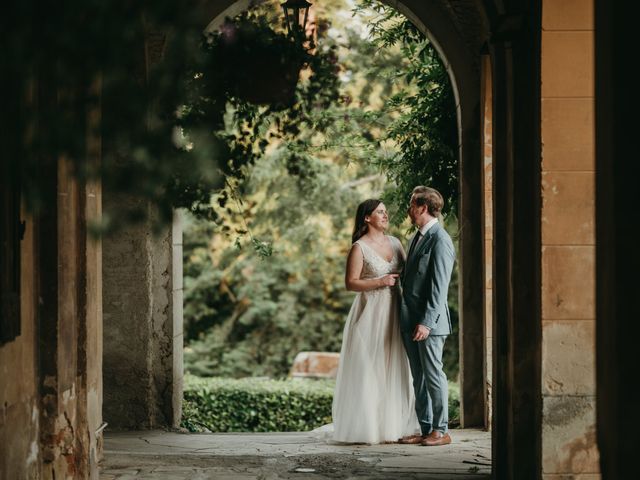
375	266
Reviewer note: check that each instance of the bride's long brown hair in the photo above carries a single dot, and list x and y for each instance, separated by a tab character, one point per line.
365	209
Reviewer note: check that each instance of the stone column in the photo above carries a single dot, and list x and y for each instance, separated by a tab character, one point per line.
568	240
177	296
142	330
487	180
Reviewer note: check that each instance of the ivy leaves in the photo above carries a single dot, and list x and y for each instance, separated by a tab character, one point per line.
425	131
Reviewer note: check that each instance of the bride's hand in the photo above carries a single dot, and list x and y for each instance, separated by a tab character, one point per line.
388	280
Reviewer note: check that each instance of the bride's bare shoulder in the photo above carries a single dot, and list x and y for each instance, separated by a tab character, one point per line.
356	248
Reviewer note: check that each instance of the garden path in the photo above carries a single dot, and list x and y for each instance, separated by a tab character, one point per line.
272	456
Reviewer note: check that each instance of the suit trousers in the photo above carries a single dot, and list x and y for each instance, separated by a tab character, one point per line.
429	381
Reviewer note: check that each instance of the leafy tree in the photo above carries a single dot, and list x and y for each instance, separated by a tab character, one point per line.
89	60
426	129
310	166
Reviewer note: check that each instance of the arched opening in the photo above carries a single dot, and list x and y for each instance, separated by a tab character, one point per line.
160	258
463	68
163	371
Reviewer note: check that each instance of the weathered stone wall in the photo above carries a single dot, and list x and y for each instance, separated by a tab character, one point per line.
19	400
568	242
49	375
126	315
69	331
142	306
139	331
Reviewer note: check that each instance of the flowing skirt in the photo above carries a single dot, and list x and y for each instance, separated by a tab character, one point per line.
373	400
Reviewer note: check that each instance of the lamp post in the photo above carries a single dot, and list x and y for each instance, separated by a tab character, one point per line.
295	14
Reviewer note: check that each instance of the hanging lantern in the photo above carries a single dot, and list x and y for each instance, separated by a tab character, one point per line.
295	14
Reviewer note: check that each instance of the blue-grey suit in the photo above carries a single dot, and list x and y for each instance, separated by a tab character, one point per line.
425	283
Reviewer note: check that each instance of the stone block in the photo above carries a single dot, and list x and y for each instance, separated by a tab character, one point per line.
568	134
315	365
176	227
489	358
177	311
569	435
488	170
488	260
178	356
19	440
568	208
488	313
568	357
488	215
568	282
177	267
567	15
567	64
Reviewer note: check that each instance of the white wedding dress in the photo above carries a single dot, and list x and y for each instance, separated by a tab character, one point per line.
373	400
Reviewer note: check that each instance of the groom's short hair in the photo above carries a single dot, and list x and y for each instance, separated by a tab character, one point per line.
430	197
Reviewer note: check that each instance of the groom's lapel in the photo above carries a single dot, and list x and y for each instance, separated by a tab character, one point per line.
411	252
426	241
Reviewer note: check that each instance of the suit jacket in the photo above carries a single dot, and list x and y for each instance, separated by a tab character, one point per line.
425	283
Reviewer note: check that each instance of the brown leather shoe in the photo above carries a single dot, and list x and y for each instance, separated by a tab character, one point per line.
436	438
412	439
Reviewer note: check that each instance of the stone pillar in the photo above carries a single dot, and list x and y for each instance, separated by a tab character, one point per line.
517	404
141	326
177	295
568	240
487	180
91	346
617	253
68	277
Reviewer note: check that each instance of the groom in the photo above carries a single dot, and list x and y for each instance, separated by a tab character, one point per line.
424	315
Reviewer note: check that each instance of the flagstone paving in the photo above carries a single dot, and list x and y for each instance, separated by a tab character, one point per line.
272	456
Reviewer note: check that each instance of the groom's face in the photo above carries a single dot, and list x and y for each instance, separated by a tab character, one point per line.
414	210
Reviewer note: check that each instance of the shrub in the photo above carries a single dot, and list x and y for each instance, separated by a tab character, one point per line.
262	405
255	405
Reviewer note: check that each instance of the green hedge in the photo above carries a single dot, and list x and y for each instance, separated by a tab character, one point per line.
259	405
255	405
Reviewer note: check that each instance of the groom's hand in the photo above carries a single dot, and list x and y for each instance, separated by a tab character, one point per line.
420	333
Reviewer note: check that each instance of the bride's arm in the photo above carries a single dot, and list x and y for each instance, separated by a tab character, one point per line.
352	280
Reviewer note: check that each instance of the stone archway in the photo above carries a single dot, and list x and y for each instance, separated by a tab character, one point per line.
137	259
460	32
461	56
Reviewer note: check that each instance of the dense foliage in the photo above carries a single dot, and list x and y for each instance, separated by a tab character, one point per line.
244	116
75	71
255	405
135	94
426	129
247	315
261	405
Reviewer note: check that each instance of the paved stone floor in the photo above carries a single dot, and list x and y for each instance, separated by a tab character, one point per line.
272	456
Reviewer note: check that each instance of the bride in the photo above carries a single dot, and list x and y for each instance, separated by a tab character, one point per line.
373	400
